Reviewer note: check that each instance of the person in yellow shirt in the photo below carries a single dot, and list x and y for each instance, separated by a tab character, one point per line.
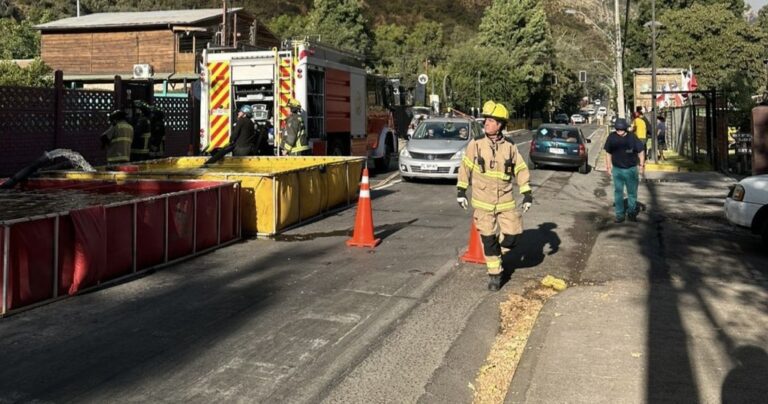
640	127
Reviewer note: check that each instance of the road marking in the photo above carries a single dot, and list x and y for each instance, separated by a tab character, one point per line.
381	183
378	187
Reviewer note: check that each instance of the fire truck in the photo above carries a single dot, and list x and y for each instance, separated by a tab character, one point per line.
346	111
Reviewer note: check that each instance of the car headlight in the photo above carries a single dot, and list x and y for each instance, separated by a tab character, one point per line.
458	155
405	153
738	193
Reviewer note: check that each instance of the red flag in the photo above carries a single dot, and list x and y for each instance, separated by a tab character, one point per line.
660	97
693	84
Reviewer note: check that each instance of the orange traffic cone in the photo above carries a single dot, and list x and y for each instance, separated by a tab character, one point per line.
474	253
363	234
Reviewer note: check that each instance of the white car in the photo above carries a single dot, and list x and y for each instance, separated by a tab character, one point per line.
747	205
577	118
602	111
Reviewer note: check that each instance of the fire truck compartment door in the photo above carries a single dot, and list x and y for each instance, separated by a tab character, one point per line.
253	73
358	109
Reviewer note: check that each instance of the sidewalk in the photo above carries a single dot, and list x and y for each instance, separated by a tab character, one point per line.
679	312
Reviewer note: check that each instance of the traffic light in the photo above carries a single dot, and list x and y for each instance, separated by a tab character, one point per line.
582	76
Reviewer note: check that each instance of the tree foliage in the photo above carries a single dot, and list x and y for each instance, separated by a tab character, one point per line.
474	68
725	51
389	49
520	31
20	39
340	23
37	74
289	26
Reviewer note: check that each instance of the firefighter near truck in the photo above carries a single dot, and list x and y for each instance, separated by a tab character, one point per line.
345	110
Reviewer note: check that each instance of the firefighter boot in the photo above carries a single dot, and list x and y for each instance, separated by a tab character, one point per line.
494	282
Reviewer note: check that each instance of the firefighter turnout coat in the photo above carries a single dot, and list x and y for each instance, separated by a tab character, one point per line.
117	140
490	167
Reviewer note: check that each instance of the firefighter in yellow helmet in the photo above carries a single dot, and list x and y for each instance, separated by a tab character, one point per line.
295	142
491	165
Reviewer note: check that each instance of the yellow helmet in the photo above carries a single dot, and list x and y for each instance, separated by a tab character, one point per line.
496	111
294	103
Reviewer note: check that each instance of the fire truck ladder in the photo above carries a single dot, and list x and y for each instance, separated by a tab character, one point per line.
284	83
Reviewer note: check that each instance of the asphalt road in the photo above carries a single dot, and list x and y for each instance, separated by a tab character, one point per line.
304	318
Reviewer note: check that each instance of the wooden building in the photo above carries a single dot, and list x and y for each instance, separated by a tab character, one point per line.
96	47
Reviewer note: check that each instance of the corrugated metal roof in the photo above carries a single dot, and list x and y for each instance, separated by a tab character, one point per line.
140	18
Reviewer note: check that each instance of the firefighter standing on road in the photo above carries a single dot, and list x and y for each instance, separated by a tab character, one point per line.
295	141
117	139
490	165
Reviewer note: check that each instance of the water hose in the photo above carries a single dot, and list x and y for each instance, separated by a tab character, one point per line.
26	172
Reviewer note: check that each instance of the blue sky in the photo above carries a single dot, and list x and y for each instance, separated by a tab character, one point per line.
757	4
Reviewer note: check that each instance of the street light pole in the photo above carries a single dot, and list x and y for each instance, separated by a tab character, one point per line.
619	62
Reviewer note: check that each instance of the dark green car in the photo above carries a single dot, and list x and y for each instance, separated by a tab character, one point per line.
561	146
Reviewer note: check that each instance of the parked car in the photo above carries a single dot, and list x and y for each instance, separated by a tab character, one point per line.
577	118
602	111
436	148
747	205
559	145
561	118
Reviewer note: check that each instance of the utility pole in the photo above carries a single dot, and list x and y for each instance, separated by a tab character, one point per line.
653	83
619	62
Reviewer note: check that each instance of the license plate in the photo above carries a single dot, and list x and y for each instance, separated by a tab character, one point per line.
428	167
555	150
744	151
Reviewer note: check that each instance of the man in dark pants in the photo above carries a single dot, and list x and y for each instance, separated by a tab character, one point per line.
244	136
625	154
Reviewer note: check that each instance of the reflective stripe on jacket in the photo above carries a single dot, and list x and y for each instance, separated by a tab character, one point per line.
120	137
492	182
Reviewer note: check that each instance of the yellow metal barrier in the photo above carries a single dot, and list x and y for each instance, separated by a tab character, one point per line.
277	192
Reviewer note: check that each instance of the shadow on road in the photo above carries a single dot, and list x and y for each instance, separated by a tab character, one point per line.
531	249
682	282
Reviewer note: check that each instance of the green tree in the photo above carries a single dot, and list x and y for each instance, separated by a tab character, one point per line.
37	74
474	67
389	49
289	26
424	45
724	50
340	23
521	30
20	39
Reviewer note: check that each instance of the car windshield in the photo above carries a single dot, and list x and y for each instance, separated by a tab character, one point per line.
442	131
563	134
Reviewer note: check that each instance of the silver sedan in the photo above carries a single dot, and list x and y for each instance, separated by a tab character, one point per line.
436	148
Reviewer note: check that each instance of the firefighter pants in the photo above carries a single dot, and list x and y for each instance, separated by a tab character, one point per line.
497	230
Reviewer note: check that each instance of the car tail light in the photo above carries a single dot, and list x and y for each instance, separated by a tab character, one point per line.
738	193
582	150
533	145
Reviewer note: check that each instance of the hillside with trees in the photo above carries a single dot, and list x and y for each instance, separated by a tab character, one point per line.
526	53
